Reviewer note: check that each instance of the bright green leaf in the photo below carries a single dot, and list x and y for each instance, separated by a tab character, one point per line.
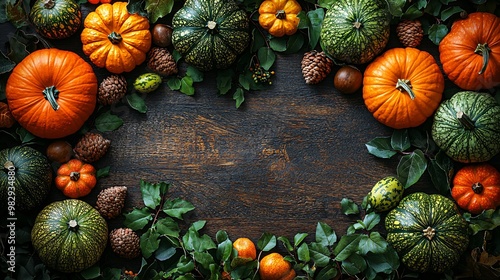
157	9
149	243
315	20
437	32
187	85
371	220
348	245
136	102
319	254
380	147
348	206
266	242
400	140
411	167
374	243
195	74
167	226
174	83
298	238
108	122
177	207
150	194
185	264
204	258
224	250
266	57
288	245
303	253
239	97
325	235
137	218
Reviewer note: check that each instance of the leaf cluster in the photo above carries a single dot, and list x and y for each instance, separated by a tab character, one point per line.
417	153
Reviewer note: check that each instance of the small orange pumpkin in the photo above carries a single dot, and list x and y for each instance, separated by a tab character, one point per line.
476	188
115	39
52	92
279	17
403	87
470	52
76	178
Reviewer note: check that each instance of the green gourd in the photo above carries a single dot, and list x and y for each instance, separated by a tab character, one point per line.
210	34
56	19
467	127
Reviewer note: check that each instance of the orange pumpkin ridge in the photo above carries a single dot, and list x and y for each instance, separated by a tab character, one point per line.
279	17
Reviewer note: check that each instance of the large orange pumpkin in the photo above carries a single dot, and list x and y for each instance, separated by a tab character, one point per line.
52	92
114	38
470	52
403	87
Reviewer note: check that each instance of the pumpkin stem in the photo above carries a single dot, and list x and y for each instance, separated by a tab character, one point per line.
429	232
484	50
477	188
357	25
114	38
9	165
73	225
49	4
406	86
212	26
74	176
280	14
51	94
465	120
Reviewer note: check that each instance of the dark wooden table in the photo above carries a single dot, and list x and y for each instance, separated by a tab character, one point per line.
280	163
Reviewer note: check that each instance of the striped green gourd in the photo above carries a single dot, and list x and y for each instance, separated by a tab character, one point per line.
467	127
69	235
427	231
28	174
210	34
56	19
355	31
385	194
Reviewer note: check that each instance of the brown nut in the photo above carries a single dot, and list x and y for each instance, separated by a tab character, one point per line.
162	35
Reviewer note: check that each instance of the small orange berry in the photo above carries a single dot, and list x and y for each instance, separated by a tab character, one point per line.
245	247
275	267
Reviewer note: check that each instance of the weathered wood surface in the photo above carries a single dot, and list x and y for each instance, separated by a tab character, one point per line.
279	164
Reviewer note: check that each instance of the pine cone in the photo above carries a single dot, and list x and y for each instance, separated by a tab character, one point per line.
110	201
91	147
161	61
410	32
112	89
125	243
315	66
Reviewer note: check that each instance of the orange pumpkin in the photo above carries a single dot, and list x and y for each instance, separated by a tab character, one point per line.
477	188
52	92
114	38
76	178
403	87
470	52
279	17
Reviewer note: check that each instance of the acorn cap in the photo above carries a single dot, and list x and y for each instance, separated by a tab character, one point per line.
125	243
315	66
112	89
91	147
161	61
111	201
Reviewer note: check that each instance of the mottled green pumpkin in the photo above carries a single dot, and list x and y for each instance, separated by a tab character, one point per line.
69	235
56	19
210	34
355	31
25	178
385	194
427	232
467	127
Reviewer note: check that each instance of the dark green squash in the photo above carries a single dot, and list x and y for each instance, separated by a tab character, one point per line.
56	19
27	174
355	31
210	34
69	235
428	232
467	127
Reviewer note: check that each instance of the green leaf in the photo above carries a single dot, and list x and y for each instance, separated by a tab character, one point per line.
396	7
374	243
165	250
278	44
487	220
348	244
138	218
187	85
325	235
6	65
108	122
239	97
103	172
441	170
298	238
315	22
18	50
437	32
224	80
157	9
16	13
136	102
411	167
286	243
418	138
348	206
266	242
325	3
174	83
150	242
303	253
354	264
319	254
400	140
91	272
380	147
224	250
371	220
204	258
327	273
450	11
24	135
167	226
383	263
433	8
258	41
195	74
185	265
295	43
266	57
413	12
150	194
177	207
